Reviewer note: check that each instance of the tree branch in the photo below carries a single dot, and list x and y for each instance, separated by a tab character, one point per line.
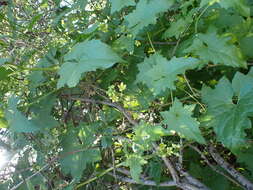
144	182
212	166
112	104
225	165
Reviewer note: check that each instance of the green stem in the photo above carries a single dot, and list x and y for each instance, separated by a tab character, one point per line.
150	41
41	98
197	20
34	68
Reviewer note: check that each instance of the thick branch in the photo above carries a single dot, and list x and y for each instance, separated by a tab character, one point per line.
225	165
213	167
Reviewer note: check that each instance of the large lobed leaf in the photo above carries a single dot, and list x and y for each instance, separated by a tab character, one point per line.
212	48
84	57
229	106
40	113
76	155
238	5
16	120
146	13
135	162
179	119
117	5
160	74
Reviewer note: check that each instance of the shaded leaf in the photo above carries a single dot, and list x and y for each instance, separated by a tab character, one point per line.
177	28
212	48
135	163
75	155
16	120
155	171
238	5
229	106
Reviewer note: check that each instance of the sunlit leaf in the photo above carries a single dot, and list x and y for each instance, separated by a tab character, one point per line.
179	119
84	57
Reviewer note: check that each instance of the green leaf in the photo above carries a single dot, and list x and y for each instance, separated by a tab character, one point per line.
229	106
246	45
16	120
216	49
4	73
117	5
146	133
33	21
139	18
177	28
37	77
42	117
124	42
84	57
76	163
75	155
179	119
3	61
239	5
209	177
135	162
245	156
160	74
3	121
155	171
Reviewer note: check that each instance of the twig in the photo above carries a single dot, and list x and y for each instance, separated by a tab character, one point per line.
113	164
212	166
98	176
180	158
150	41
225	165
144	182
169	165
16	172
45	166
191	182
198	18
118	107
30	177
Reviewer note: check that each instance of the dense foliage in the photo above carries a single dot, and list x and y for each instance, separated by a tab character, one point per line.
126	94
